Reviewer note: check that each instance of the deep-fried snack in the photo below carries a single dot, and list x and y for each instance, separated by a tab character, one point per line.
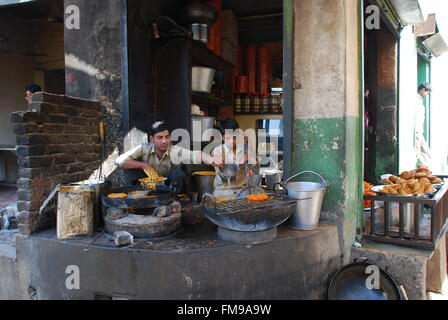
436	181
416	187
426	170
421	175
421	190
411	183
394	179
404	190
393	191
432	178
429	188
386	181
424	181
406	175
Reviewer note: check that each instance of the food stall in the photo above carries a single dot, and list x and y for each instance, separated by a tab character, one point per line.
409	209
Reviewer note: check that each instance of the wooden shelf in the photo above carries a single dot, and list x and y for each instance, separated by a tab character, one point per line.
207	100
204	57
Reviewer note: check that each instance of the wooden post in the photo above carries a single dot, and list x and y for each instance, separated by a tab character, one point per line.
75	212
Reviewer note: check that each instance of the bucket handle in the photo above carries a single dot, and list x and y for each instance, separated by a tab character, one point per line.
312	172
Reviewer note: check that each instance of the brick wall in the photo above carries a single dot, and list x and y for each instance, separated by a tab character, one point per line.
58	142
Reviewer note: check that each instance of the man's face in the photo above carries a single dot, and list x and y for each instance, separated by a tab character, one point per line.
424	93
161	140
28	96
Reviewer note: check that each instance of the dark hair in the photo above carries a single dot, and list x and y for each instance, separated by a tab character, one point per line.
228	124
425	86
33	88
157	127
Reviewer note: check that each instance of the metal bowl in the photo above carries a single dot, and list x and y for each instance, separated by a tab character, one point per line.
229	171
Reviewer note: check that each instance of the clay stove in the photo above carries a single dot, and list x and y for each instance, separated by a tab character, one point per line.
156	216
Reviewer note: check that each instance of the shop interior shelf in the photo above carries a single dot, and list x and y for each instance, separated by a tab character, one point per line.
202	99
202	56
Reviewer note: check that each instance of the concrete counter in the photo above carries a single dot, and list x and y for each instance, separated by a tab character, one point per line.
191	265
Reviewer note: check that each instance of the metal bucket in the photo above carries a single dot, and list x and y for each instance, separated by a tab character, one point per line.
307	214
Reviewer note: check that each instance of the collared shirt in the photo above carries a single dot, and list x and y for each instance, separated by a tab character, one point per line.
173	158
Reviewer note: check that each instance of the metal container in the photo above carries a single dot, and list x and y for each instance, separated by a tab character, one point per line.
202	79
229	171
200	32
204	123
152	185
307	212
272	178
255	180
204	183
100	187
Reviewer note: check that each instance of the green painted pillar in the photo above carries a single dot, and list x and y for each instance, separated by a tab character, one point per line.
327	127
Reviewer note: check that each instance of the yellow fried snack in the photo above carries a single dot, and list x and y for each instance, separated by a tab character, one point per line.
429	188
117	195
258	197
436	181
152	174
204	173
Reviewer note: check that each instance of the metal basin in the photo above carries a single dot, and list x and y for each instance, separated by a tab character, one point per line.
350	284
252	219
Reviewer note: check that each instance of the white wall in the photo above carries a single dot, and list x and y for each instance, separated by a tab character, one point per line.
407	99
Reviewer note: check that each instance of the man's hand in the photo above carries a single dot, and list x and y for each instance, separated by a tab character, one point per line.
217	162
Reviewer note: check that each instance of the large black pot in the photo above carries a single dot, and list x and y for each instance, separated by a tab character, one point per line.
199	13
350	284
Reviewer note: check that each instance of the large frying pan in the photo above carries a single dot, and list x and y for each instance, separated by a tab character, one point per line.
350	284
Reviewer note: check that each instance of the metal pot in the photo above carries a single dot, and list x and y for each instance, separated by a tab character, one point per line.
255	180
204	183
202	123
199	13
272	178
202	79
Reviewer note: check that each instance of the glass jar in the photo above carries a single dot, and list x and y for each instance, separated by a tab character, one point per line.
255	103
265	104
245	103
237	103
272	104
